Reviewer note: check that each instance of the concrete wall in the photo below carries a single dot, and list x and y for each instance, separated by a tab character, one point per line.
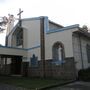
31	37
30	52
12	51
65	37
9	40
35	51
80	52
31	33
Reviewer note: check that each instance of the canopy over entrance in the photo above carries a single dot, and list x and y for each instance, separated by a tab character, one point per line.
11	60
10	51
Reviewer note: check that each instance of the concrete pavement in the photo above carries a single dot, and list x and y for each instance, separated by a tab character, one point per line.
79	85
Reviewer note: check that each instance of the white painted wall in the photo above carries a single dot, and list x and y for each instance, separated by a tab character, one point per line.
31	37
12	51
65	37
9	40
35	51
31	33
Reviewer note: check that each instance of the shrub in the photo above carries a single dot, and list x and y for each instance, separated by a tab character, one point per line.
84	74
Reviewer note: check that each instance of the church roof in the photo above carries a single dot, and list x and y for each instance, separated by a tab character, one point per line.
83	33
59	27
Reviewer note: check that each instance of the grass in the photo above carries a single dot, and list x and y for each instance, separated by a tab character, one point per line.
31	83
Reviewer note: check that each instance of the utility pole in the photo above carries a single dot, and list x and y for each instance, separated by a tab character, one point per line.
19	14
42	41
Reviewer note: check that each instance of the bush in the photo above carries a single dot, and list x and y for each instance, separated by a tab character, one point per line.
84	74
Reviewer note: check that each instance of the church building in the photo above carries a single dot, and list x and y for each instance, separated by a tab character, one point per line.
38	47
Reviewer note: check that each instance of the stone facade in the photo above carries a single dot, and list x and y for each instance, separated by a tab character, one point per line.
80	43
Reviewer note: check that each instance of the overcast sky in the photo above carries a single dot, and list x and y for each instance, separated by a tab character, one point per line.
64	12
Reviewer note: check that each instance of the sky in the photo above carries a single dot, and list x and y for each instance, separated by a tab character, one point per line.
64	12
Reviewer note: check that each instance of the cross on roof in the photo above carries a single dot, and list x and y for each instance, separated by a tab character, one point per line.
19	14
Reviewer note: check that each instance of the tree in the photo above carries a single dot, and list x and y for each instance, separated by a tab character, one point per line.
85	28
3	22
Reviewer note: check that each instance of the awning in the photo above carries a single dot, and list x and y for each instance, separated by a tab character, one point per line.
11	51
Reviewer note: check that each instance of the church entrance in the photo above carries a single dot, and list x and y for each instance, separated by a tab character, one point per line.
16	62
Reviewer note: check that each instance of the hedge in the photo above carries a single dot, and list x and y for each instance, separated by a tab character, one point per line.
84	74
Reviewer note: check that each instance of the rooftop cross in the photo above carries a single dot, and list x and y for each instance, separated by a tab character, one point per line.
19	14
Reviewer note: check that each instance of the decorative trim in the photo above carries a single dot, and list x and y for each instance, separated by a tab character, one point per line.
21	48
46	24
12	47
34	47
63	29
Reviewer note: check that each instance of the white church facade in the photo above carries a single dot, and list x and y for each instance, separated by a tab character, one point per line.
39	39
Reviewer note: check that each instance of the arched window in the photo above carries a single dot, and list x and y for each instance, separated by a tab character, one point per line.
58	52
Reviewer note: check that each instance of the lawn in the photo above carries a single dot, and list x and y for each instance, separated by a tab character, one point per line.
30	83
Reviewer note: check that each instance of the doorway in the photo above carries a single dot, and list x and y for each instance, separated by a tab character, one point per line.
16	62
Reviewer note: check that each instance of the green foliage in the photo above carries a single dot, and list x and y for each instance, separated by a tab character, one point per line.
84	74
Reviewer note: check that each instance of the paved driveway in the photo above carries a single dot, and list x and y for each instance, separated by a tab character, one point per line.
71	86
74	86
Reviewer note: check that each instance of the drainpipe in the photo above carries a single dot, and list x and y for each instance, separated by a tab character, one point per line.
42	43
81	52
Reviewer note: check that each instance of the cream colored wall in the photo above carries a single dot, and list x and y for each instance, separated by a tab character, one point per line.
9	40
31	38
30	53
35	51
12	51
31	33
65	37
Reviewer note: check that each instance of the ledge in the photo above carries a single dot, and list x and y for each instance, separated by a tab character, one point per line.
62	29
